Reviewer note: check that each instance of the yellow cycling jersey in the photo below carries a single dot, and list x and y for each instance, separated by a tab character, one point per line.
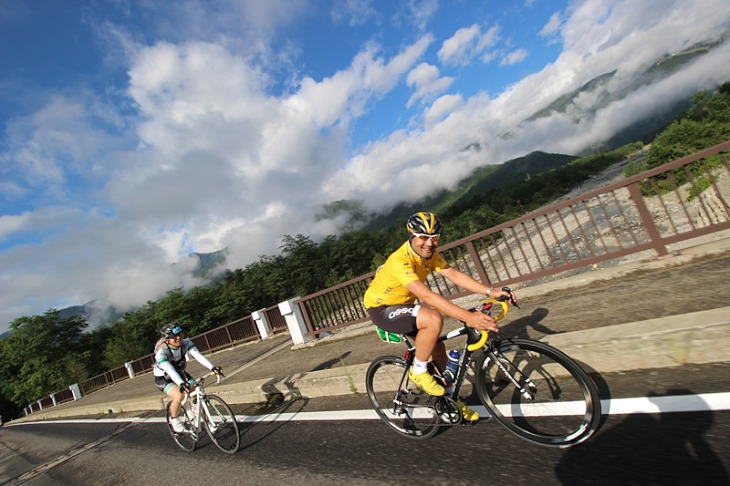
402	267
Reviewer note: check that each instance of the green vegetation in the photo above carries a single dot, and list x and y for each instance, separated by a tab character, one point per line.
44	354
707	123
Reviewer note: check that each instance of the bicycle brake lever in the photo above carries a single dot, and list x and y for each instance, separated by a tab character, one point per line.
509	299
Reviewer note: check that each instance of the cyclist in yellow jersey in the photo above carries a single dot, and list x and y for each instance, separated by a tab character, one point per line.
391	300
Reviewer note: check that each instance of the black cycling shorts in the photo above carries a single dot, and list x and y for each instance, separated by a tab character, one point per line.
400	319
163	382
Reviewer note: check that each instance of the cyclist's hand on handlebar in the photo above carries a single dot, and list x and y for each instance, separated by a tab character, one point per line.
217	370
184	387
505	294
482	322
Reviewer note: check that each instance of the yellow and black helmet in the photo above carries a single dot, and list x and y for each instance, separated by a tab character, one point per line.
424	224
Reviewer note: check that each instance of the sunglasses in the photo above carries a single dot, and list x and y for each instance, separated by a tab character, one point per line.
426	237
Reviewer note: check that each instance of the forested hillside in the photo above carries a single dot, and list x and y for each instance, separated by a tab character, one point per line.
46	353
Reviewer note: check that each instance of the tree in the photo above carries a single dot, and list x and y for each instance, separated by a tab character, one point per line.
41	356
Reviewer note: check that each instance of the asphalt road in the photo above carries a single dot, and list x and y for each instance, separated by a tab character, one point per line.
666	449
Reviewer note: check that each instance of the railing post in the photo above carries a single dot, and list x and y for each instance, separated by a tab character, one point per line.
75	391
130	370
40	405
477	262
646	220
53	399
262	323
294	321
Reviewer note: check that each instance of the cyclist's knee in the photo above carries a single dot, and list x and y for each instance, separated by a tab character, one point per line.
429	319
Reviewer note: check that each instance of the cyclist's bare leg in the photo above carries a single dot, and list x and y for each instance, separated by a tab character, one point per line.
176	399
430	322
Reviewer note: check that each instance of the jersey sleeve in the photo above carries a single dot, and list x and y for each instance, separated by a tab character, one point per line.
171	372
195	353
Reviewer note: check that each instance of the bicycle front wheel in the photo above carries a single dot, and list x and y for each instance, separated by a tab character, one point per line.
221	424
403	406
186	440
538	393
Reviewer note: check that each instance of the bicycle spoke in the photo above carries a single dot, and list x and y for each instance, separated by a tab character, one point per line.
538	393
407	410
186	440
221	425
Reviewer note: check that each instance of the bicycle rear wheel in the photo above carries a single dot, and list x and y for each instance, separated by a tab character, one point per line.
551	401
402	405
221	425
186	440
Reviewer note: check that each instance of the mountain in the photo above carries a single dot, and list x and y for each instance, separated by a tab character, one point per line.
584	102
581	104
208	265
481	181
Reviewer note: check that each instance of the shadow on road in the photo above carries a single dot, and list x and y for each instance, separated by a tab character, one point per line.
254	432
519	327
664	448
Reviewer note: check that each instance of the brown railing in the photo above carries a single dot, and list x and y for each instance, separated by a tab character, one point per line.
103	380
648	212
236	332
276	321
63	396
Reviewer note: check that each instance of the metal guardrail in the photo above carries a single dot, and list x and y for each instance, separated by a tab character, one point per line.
236	332
647	212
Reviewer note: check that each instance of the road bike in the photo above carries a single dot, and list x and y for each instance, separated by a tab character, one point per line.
202	411
533	389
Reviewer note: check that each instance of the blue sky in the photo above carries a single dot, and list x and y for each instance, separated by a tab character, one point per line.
136	132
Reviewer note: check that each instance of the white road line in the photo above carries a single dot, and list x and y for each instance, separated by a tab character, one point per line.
706	402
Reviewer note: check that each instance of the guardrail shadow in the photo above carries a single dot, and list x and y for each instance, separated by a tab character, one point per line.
258	425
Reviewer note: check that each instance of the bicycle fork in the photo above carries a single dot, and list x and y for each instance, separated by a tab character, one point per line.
528	389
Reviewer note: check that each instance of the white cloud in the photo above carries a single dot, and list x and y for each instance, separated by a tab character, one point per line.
459	48
441	108
552	26
217	158
425	78
353	12
514	57
421	12
468	43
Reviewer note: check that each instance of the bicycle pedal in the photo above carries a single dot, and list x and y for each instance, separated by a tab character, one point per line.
448	411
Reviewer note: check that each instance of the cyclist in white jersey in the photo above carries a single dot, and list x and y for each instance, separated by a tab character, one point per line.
171	355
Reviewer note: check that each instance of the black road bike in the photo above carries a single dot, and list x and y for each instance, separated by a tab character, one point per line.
533	389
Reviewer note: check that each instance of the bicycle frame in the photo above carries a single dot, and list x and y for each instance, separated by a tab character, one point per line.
207	412
197	398
534	390
475	341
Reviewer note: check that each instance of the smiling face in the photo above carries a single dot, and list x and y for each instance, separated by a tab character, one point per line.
424	245
176	340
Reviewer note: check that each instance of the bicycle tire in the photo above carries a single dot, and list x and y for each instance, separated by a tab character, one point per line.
222	426
406	409
564	408
185	440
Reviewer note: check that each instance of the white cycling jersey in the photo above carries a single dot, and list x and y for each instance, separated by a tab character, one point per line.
170	362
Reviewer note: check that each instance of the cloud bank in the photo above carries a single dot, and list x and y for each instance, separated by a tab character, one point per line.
204	145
